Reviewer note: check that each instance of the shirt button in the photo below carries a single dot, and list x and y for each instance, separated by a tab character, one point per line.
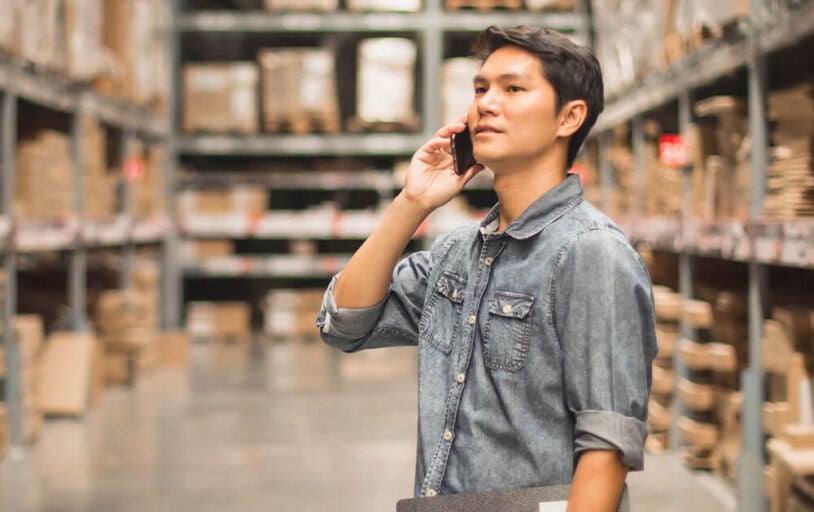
454	294
472	319
489	260
460	378
431	493
447	436
507	309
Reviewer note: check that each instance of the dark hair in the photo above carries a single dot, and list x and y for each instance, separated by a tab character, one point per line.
571	69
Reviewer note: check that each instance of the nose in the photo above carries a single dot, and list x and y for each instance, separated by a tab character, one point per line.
488	103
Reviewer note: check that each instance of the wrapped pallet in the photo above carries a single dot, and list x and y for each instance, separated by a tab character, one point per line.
9	26
29	334
386	81
457	86
41	33
221	98
289	314
86	57
302	5
219	320
385	5
99	184
299	90
148	189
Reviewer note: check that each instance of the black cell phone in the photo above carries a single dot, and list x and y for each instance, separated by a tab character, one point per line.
462	155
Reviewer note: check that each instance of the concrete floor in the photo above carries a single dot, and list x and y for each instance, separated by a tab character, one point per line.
257	427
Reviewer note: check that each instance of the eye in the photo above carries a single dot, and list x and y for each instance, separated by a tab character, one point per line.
514	88
479	89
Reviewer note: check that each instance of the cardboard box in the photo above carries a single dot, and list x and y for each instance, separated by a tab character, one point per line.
221	98
299	90
173	348
218	320
290	314
9	26
148	200
85	57
45	178
390	61
67	373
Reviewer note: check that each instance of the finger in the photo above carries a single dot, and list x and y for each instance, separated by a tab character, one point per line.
437	144
472	172
448	130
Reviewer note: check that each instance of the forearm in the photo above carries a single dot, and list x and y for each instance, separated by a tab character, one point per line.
598	482
365	280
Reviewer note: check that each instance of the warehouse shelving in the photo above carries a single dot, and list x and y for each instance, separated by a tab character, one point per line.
756	243
76	236
427	27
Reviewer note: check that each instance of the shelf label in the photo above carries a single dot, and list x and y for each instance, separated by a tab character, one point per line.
672	150
134	168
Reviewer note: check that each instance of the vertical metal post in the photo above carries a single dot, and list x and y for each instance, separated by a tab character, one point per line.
432	60
170	272
685	259
8	161
128	250
78	270
751	497
605	172
639	169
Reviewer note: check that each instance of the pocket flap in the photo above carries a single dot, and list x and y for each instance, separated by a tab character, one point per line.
451	287
510	304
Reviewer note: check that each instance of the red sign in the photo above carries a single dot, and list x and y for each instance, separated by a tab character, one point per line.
134	168
672	150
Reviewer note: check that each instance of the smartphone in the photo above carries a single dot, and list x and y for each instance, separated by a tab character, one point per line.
462	156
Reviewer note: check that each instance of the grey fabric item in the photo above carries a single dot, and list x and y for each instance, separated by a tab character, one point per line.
513	500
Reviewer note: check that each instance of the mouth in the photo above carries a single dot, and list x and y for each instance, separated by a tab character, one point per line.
485	129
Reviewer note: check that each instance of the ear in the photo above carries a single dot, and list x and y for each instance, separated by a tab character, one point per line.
572	116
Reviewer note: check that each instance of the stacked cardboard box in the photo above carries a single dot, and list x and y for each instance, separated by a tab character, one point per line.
551	5
240	200
457	86
29	335
4	430
726	179
791	171
700	142
711	428
126	322
219	320
290	314
100	185
45	177
136	32
668	314
199	250
299	90
221	98
391	61
621	157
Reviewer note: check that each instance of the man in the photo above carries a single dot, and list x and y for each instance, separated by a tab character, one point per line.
535	328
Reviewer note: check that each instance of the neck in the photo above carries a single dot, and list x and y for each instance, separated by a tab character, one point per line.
518	188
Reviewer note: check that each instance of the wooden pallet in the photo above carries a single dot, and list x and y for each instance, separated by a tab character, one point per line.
327	122
484	5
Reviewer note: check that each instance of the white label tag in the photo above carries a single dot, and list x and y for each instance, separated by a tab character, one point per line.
554	506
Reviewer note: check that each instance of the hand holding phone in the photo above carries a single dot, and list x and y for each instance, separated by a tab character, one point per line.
462	155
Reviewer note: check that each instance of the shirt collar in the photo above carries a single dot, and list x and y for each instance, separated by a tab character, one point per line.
542	212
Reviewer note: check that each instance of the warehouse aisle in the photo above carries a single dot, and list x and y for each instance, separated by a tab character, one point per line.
255	427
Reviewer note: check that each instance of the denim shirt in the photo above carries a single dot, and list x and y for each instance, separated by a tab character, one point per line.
535	344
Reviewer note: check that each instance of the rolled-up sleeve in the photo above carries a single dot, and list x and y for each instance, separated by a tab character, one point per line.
603	312
392	322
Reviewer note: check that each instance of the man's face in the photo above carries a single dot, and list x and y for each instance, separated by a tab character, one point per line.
513	118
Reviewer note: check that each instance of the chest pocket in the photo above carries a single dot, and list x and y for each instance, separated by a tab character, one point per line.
440	318
507	331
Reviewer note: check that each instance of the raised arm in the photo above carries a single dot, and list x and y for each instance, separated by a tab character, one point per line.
431	182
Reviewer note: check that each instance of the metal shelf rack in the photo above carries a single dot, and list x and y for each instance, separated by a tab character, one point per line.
755	242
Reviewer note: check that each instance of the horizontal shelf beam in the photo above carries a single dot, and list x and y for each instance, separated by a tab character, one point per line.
60	93
263	21
302	145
